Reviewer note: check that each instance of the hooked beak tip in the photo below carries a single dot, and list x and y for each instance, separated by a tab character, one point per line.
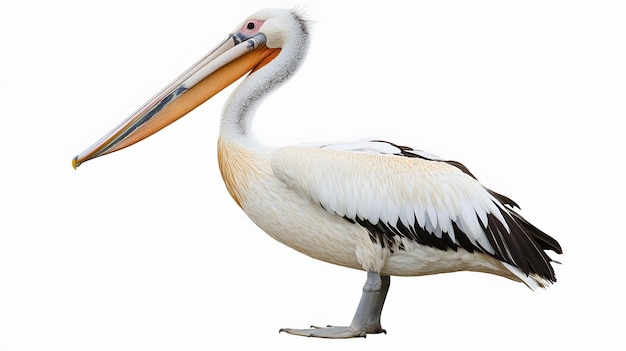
75	163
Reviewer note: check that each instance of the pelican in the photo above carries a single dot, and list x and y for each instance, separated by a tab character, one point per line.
370	205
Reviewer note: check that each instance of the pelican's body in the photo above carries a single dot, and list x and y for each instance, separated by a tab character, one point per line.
369	205
295	219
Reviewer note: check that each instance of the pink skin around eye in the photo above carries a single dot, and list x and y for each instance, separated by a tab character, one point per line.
255	24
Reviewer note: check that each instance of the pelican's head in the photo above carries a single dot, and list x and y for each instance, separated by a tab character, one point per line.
253	44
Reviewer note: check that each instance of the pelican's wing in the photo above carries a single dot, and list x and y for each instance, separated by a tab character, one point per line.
395	191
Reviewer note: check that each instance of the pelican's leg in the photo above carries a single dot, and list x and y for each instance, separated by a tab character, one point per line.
367	317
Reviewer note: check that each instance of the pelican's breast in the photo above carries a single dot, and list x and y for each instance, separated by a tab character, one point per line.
285	214
236	166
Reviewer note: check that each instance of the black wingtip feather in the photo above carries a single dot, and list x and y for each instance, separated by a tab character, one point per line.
544	240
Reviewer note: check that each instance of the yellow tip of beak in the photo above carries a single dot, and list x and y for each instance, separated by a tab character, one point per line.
75	164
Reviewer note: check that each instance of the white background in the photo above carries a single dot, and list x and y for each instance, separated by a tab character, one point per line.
145	250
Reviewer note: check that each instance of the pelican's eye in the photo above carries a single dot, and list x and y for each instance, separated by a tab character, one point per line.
252	27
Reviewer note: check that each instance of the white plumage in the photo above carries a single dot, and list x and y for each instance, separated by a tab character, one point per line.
369	204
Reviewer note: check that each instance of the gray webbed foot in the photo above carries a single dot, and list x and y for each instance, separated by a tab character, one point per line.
327	332
366	319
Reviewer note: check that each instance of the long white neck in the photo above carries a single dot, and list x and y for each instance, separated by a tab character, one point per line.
243	102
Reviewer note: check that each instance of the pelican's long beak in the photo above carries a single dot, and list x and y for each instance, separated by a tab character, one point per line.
230	60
